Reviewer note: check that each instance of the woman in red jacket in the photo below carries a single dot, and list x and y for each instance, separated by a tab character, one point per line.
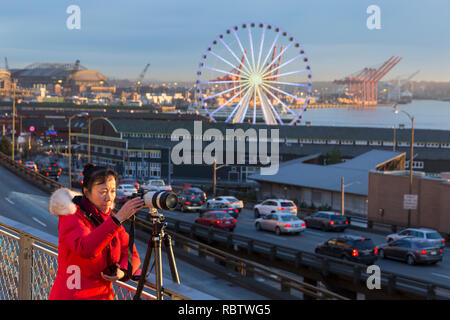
93	245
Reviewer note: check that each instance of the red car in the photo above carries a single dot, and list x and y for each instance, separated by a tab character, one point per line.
217	219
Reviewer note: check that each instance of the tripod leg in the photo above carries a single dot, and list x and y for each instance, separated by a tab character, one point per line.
171	258
158	268
148	257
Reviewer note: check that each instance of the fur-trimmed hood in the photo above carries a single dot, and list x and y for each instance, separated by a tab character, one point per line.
61	202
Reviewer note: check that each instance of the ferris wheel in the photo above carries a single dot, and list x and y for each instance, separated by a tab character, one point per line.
254	73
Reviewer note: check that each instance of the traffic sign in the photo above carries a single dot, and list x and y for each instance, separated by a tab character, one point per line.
410	201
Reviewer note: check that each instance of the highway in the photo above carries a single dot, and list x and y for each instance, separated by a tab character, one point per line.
311	237
28	206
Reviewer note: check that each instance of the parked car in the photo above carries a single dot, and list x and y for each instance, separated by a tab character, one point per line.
412	250
275	206
156	185
218	206
327	221
31	165
349	247
280	223
217	219
127	189
229	200
432	236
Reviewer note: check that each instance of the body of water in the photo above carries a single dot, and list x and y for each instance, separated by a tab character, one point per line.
428	114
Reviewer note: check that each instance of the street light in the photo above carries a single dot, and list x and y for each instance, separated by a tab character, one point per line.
214	177
343	186
82	114
396	111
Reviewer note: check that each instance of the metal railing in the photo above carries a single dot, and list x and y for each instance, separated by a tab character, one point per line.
28	269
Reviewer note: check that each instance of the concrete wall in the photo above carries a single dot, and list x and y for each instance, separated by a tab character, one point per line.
386	192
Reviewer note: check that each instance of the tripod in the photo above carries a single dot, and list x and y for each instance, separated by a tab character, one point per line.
154	244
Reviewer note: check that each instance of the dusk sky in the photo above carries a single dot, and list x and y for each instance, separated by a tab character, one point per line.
118	38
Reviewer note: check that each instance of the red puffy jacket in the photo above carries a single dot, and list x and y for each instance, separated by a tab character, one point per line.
84	250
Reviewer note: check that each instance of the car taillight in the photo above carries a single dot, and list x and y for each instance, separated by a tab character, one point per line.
192	197
304	224
423	252
46	173
375	251
236	210
59	173
443	241
281	208
188	203
217	221
331	223
346	222
288	226
355	253
235	220
441	251
201	202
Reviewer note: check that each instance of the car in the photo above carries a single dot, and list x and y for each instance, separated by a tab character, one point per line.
121	197
280	223
217	219
412	250
275	206
229	200
156	185
130	181
327	221
128	189
52	171
31	165
188	201
351	248
218	206
199	193
430	235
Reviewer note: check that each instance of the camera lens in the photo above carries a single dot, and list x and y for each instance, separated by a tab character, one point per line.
164	200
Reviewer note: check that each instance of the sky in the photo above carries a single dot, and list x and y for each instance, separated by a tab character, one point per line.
118	38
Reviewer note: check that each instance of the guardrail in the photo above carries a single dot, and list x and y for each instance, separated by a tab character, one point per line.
297	258
245	267
28	269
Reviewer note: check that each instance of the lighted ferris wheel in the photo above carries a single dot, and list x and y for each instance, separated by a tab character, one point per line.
253	73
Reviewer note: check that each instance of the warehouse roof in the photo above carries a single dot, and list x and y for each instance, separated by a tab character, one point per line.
355	173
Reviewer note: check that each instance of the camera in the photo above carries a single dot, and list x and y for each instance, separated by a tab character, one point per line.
163	200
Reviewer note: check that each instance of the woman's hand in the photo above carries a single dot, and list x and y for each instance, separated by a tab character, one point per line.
119	275
130	208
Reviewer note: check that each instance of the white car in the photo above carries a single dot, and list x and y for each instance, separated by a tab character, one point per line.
230	201
156	185
275	206
127	189
280	223
428	235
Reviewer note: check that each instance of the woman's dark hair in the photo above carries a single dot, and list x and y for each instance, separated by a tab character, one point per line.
93	174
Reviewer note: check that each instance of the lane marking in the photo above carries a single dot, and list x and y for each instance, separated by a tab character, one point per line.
441	275
39	221
10	201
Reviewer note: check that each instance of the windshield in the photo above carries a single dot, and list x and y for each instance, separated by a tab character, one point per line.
157	183
433	235
287	204
222	215
363	244
338	218
288	218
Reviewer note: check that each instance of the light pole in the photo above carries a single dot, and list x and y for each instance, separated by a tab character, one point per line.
343	186
82	114
411	157
214	176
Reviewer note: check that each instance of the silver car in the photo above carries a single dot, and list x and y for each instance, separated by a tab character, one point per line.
280	223
429	235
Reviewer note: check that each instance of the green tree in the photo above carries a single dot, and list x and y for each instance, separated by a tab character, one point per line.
334	157
5	146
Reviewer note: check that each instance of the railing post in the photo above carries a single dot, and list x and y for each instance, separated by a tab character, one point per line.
25	263
285	286
298	259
